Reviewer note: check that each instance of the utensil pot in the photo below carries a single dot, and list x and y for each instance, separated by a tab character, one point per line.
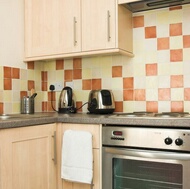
27	105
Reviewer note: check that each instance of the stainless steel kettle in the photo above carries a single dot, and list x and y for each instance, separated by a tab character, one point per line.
66	102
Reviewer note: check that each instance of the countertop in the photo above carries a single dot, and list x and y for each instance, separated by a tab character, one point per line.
21	120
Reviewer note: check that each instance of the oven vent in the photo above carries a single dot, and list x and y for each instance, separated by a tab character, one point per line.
117	138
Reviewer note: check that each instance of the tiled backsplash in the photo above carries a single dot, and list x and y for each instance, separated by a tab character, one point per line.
157	79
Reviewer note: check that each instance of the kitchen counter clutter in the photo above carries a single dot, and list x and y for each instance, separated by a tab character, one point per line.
21	120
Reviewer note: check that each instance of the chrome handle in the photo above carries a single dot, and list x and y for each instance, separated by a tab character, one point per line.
108	26
74	30
149	154
55	151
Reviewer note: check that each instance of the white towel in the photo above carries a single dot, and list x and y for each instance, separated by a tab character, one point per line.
77	156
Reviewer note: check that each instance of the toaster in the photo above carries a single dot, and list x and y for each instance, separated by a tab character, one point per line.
101	102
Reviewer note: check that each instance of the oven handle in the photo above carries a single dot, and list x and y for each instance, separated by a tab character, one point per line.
148	154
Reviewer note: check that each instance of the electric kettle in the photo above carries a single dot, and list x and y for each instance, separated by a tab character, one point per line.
66	102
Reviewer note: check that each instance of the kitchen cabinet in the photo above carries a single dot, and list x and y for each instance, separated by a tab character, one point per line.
76	28
26	155
126	1
95	130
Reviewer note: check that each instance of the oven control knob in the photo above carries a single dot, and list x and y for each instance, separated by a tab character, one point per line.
168	140
178	141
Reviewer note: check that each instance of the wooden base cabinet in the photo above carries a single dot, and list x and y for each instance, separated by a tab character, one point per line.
27	157
95	130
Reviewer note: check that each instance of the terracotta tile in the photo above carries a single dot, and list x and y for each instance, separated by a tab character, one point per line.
77	74
176	55
128	95
96	84
117	71
68	75
138	21
119	106
175	8
176	29
59	64
16	73
177	106
140	94
8	84
30	65
187	94
186	41
52	96
164	94
128	83
176	81
151	69
163	43
44	76
49	106
77	63
44	86
23	93
1	108
152	106
87	84
150	32
44	106
7	72
78	105
31	85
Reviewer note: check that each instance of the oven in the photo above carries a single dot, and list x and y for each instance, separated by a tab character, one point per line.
145	157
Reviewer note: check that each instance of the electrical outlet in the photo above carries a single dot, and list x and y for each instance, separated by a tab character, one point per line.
58	86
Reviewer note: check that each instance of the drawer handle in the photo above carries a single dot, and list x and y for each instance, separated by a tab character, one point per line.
55	151
108	22
75	30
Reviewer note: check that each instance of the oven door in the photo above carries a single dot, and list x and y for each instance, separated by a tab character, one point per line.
144	169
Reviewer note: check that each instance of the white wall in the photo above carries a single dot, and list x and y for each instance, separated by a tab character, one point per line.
12	33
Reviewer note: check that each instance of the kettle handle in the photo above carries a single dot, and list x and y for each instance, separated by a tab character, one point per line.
70	94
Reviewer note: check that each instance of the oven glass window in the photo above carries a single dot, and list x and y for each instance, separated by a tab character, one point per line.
133	174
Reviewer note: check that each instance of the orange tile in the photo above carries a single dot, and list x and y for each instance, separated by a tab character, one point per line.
117	71
140	94
176	29
187	94
23	93
44	76
77	63
78	105
7	72
77	74
16	73
128	95
138	21
150	32
128	83
31	85
8	84
30	65
176	55
52	96
119	106
163	43
152	106
164	94
44	86
176	81
175	8
186	41
44	106
177	106
151	69
68	75
1	108
59	64
87	84
49	106
96	84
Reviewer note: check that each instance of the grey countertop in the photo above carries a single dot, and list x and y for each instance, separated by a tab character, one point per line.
21	120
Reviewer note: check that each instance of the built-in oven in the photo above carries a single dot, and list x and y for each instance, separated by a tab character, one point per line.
145	158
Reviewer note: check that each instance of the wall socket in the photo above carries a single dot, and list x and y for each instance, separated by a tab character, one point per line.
58	86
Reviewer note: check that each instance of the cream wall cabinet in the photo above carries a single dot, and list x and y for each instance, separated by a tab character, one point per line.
76	28
26	158
126	1
95	130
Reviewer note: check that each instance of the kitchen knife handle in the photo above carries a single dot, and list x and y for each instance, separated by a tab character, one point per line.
74	29
55	146
108	22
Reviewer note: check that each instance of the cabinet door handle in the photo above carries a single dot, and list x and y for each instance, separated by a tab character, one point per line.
75	30
108	26
54	149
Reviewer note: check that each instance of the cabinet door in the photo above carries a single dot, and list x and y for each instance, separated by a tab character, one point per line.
98	24
95	130
26	158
